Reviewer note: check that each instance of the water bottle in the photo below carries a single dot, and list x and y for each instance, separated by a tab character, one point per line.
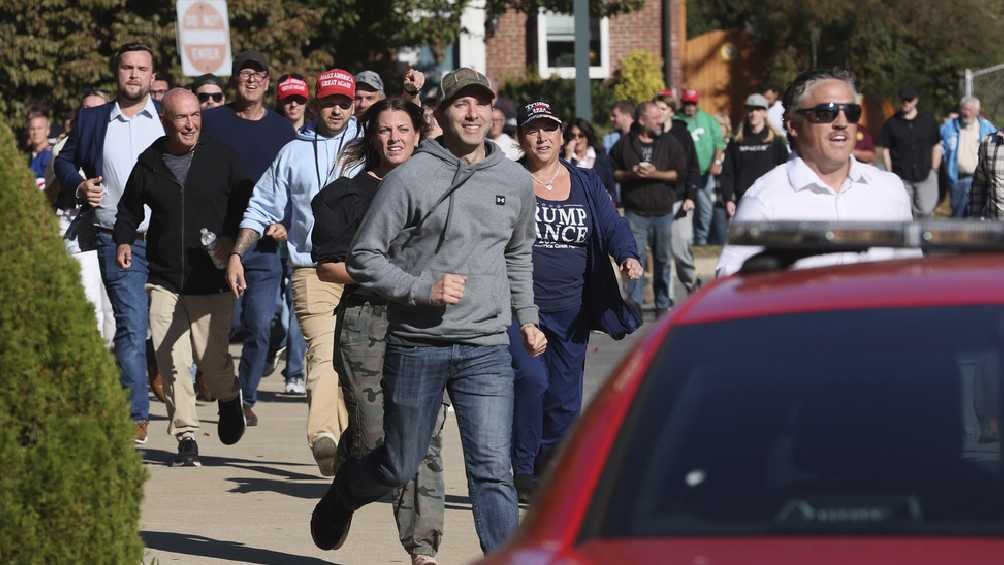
208	239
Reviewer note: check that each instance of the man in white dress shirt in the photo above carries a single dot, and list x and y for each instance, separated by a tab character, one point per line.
822	181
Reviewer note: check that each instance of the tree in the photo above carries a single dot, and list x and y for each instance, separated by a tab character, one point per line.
639	78
886	43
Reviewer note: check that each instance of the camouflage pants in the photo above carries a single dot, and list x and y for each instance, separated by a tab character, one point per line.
419	505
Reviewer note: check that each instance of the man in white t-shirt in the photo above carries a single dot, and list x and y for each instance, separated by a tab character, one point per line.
822	181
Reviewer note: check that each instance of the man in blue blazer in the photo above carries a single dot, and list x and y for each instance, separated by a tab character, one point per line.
104	145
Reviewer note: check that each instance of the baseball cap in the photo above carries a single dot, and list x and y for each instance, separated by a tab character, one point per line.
689	96
907	92
455	81
541	109
335	81
246	59
757	101
292	86
205	79
369	78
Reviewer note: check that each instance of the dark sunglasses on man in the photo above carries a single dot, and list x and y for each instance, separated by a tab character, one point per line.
206	96
826	113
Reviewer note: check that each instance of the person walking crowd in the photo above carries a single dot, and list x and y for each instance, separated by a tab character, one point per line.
419	259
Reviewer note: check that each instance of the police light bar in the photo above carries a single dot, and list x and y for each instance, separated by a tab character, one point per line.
825	237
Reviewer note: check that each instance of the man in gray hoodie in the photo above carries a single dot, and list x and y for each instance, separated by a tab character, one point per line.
448	240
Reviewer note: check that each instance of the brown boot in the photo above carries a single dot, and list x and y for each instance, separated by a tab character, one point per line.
202	389
156	383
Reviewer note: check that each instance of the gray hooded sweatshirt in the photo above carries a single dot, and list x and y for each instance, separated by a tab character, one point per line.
437	215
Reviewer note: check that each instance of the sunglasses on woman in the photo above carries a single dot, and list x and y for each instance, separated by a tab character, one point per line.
206	96
826	113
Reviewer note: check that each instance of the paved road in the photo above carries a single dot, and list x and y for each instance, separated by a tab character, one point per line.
251	502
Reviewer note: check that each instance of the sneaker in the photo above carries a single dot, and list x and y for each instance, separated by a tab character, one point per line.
418	559
329	523
250	418
188	452
232	424
139	432
325	450
297	386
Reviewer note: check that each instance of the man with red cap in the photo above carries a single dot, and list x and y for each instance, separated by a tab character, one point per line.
710	145
282	198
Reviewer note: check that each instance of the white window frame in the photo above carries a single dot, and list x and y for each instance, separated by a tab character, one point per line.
600	72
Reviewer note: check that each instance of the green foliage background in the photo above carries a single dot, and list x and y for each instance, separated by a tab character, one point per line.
72	482
639	77
885	43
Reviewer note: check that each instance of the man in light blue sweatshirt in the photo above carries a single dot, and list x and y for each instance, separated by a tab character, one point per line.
448	240
280	207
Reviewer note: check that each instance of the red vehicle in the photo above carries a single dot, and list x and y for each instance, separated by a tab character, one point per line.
834	415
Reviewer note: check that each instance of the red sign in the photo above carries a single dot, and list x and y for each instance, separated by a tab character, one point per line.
203	37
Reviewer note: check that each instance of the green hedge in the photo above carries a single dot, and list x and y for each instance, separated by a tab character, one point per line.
71	481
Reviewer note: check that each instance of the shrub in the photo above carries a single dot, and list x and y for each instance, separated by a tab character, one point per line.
639	78
71	481
561	93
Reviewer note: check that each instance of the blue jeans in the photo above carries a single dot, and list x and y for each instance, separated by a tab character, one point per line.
704	210
480	382
127	293
655	232
960	196
263	272
548	389
296	346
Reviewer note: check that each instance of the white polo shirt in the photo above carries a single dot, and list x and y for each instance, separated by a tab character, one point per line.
125	139
793	191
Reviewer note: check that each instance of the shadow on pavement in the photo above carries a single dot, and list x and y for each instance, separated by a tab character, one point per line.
192	544
161	457
268	396
311	491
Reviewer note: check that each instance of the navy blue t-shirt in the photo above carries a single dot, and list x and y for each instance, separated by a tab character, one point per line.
256	143
561	252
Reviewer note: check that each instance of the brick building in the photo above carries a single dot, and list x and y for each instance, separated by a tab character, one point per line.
513	43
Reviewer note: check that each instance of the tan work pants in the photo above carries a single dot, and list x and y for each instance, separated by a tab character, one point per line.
314	302
187	329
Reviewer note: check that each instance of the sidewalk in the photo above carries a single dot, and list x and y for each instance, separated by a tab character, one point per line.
251	502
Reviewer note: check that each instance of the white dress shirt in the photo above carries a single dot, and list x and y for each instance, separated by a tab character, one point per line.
125	139
793	191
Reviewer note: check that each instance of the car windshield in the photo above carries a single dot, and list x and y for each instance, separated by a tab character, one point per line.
874	421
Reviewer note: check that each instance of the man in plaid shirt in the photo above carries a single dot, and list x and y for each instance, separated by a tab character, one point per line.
986	199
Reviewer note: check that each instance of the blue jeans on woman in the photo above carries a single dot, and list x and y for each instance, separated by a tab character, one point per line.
479	379
548	391
127	293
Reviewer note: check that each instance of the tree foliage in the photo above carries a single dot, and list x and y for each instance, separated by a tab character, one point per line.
639	77
72	481
51	50
886	43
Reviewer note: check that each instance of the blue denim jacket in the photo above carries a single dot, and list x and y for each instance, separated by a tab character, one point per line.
950	143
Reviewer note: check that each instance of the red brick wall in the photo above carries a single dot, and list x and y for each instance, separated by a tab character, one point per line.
506	50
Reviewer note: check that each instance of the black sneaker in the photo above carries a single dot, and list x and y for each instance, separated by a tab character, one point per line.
330	521
231	425
525	485
188	453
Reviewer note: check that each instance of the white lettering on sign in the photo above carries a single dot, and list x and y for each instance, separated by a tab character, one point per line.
203	37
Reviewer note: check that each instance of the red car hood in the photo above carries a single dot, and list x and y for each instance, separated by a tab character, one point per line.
772	551
792	551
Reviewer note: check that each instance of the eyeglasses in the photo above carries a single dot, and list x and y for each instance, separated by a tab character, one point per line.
340	101
247	74
544	125
297	99
207	96
826	113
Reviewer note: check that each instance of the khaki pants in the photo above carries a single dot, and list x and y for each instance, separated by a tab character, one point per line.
314	302
187	329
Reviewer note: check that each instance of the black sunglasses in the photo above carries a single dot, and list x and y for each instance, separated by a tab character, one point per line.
826	113
205	96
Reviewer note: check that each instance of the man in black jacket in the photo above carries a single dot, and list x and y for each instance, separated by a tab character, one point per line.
191	185
650	168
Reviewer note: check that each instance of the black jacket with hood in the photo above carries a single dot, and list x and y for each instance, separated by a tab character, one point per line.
211	198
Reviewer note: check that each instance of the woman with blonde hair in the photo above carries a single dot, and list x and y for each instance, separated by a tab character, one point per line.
754	150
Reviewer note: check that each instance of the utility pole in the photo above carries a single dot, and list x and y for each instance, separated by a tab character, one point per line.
583	93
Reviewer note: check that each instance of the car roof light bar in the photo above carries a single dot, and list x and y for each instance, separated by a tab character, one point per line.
829	237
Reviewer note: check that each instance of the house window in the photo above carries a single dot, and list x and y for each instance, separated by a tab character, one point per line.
556	46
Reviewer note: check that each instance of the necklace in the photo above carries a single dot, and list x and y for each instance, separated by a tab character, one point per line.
549	185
